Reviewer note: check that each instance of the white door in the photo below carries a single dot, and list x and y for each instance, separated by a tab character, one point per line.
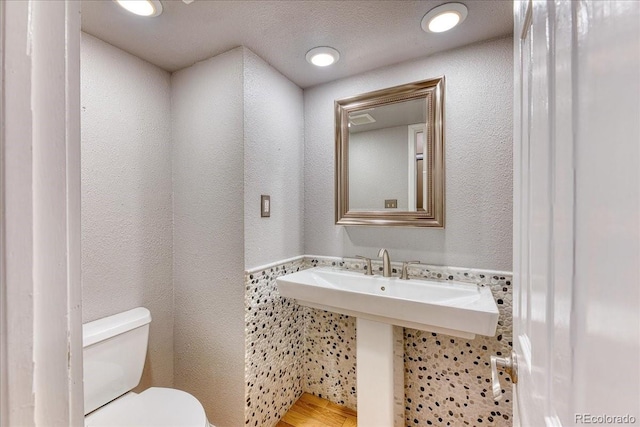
577	212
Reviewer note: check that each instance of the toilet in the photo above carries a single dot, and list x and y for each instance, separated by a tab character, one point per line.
114	351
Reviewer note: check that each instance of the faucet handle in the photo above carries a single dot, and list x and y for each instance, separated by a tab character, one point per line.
405	265
369	272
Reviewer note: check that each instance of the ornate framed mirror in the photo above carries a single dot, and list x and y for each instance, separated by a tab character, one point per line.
390	156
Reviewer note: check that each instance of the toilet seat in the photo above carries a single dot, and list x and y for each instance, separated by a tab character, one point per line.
156	406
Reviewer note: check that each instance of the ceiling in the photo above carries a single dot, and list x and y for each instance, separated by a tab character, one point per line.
368	34
396	114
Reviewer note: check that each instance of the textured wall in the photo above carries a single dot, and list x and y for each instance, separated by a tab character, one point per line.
236	128
207	119
126	195
478	133
378	168
274	346
273	162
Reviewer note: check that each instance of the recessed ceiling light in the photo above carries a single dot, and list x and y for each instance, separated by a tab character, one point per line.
142	7
323	56
444	17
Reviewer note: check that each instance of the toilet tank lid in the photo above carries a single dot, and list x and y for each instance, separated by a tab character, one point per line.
108	327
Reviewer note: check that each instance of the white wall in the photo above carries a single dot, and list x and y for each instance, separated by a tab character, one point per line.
273	163
379	168
478	137
126	195
207	128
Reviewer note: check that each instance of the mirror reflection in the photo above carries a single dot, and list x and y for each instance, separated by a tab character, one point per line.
387	170
390	156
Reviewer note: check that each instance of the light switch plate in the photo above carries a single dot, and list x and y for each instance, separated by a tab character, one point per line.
265	206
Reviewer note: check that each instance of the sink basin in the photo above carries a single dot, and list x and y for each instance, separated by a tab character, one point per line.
457	309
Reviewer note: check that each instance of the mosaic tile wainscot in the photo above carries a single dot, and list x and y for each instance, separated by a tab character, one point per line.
293	349
274	345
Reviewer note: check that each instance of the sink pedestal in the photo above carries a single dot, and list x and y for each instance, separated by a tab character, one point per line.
382	307
380	373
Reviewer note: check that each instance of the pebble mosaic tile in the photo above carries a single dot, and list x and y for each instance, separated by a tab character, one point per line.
292	349
330	356
274	344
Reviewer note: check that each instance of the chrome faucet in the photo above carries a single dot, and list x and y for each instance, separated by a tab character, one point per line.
386	263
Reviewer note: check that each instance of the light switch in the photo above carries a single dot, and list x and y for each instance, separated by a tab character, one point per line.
265	206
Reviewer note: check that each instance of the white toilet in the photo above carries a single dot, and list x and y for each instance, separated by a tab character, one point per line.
115	348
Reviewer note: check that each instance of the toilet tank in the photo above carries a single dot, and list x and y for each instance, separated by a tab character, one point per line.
114	352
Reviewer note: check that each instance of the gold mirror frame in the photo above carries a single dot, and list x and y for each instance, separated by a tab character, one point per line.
433	216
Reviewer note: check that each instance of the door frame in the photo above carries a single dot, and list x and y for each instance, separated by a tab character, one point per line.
41	312
413	130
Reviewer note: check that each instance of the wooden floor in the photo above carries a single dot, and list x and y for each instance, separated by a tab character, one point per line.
312	411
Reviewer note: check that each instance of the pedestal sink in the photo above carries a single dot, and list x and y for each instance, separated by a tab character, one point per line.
457	309
382	305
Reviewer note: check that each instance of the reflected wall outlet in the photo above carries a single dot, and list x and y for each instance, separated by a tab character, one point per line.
391	203
265	206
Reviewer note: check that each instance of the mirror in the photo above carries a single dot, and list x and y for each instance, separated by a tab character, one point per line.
390	156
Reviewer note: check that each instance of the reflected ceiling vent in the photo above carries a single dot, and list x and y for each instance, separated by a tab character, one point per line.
361	119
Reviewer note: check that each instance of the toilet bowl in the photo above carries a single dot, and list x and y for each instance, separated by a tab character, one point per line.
114	352
153	407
